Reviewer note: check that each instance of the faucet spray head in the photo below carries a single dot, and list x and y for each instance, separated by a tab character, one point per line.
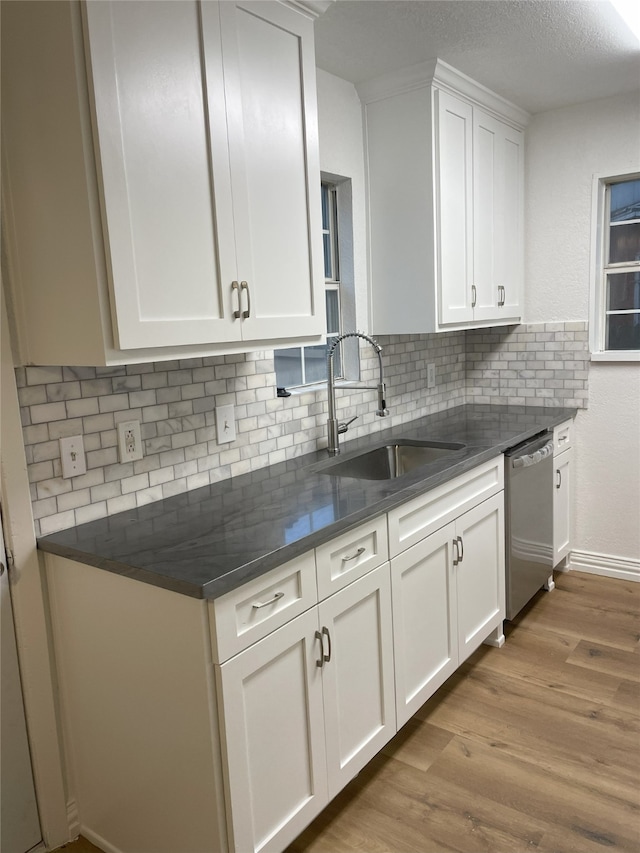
382	410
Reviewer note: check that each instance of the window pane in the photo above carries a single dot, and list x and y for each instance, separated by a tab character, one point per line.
326	242
333	312
624	243
315	364
623	331
288	364
625	201
324	190
623	291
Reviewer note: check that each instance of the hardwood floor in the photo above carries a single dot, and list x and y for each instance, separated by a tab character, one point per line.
535	746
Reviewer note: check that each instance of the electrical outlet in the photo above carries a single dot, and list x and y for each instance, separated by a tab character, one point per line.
129	441
225	423
431	376
72	456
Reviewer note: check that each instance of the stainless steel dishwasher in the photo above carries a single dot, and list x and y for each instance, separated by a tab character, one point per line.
529	520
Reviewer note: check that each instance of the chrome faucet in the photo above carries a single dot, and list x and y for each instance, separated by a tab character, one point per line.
334	427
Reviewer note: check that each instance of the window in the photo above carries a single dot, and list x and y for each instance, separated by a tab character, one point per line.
616	300
308	365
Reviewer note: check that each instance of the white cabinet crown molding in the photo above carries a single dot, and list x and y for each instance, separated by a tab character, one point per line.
437	73
312	8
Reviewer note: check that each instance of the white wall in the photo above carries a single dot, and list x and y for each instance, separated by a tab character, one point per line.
565	149
342	153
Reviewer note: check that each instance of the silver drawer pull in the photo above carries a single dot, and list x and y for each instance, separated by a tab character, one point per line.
244	286
260	604
355	556
236	288
322	659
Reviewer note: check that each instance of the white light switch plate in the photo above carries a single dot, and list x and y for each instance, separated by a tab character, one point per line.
225	423
72	456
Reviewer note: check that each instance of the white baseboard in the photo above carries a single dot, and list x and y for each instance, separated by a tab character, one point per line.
98	841
622	568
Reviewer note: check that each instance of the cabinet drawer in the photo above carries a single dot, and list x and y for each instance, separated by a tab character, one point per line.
351	555
562	437
420	517
249	613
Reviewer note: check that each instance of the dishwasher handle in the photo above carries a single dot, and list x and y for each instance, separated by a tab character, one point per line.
528	459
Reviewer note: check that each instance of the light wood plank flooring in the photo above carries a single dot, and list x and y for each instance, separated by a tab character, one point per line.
535	746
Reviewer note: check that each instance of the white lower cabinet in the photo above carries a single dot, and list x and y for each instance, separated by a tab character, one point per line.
304	709
273	729
479	574
425	630
562	491
448	596
226	726
358	689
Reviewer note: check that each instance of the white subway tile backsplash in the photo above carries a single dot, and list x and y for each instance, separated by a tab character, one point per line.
541	364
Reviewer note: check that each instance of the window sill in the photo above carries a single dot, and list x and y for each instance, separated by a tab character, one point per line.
616	355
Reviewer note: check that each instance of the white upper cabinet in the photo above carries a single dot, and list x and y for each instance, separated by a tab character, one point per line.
197	128
445	169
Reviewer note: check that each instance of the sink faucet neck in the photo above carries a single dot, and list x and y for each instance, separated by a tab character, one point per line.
334	428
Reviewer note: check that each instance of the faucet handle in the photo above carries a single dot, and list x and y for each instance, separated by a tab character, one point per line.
343	427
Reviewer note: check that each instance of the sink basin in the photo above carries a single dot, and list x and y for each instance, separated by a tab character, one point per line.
392	460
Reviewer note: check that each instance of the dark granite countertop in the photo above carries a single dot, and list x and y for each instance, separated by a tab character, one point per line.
208	541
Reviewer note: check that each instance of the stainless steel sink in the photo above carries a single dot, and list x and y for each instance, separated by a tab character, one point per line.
392	460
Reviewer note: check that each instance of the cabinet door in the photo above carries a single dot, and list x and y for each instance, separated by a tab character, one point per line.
509	225
425	633
498	175
162	151
480	573
486	214
357	675
273	141
272	722
562	508
454	205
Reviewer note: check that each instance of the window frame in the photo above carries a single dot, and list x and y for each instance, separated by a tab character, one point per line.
342	263
600	268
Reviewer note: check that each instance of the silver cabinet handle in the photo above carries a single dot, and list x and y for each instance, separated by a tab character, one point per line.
355	556
501	295
456	559
320	662
562	439
461	545
473	295
235	286
326	658
275	598
558	478
245	286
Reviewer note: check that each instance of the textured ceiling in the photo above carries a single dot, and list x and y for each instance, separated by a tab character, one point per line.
540	54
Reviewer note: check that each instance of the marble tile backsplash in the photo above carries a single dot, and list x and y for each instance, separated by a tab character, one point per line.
175	403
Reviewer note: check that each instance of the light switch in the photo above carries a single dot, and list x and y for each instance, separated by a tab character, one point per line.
225	423
72	456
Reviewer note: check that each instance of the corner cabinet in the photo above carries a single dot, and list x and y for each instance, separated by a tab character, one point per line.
445	173
167	202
